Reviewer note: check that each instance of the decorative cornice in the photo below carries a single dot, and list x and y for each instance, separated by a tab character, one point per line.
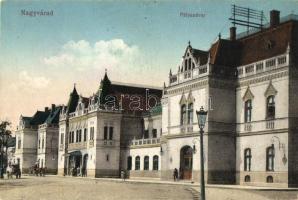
255	80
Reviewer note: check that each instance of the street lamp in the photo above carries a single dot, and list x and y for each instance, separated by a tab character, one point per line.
202	115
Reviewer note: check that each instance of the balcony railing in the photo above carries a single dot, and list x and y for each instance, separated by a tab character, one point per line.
148	141
263	125
77	146
263	66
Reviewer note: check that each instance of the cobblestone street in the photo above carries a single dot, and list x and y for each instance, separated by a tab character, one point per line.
57	188
60	188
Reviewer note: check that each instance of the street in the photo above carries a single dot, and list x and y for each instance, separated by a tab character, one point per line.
62	188
59	188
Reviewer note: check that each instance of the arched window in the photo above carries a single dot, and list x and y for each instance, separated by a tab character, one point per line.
190	114
183	114
269	179
129	163
155	162
247	178
270	107
137	163
247	159
247	110
270	158
189	64
146	163
185	65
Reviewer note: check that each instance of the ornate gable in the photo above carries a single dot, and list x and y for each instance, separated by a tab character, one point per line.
183	99
190	98
248	95
270	90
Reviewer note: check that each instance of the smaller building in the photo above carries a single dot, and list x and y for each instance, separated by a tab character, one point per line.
36	138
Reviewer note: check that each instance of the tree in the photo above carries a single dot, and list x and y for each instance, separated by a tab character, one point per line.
5	135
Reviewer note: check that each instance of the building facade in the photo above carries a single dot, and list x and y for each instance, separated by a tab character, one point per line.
247	83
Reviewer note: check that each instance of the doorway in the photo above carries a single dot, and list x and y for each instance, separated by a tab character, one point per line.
185	169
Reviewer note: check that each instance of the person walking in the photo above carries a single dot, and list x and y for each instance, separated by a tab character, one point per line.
175	174
123	174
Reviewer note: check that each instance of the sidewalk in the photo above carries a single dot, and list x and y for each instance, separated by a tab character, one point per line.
186	183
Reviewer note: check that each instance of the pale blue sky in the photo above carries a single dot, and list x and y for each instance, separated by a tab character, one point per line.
153	32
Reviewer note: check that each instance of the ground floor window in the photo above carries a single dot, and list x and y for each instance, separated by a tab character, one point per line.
269	179
146	163
155	162
247	178
137	163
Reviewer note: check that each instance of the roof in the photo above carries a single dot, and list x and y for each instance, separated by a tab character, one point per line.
73	101
53	117
39	117
269	43
200	55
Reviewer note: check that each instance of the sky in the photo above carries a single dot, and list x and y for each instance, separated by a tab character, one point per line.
137	42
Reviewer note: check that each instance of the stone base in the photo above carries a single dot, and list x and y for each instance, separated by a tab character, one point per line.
280	179
144	173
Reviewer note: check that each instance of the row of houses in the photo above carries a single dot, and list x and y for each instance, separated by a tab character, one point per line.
248	85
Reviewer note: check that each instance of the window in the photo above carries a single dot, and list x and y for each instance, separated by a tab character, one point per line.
183	114
210	103
42	143
270	158
77	135
154	133
19	142
146	134
247	159
80	135
146	163
38	143
190	114
137	163
105	136
270	107
107	157
129	163
155	162
72	137
269	179
85	134
111	130
61	138
69	139
247	111
91	133
247	178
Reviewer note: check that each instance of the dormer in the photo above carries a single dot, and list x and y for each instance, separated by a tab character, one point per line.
189	62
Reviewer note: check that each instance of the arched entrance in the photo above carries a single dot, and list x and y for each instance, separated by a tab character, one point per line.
84	167
185	169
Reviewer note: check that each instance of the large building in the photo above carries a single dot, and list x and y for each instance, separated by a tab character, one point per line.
247	83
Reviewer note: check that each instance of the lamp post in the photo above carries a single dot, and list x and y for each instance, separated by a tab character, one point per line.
202	115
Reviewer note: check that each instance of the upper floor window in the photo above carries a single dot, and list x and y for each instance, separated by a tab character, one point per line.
91	133
137	163
270	107
247	110
247	159
190	114
38	143
155	162
270	158
19	142
183	114
111	131
105	133
154	133
61	138
146	134
146	163
85	134
42	143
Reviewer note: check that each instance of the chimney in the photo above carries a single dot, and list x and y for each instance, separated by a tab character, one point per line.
46	109
274	18
233	33
53	107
